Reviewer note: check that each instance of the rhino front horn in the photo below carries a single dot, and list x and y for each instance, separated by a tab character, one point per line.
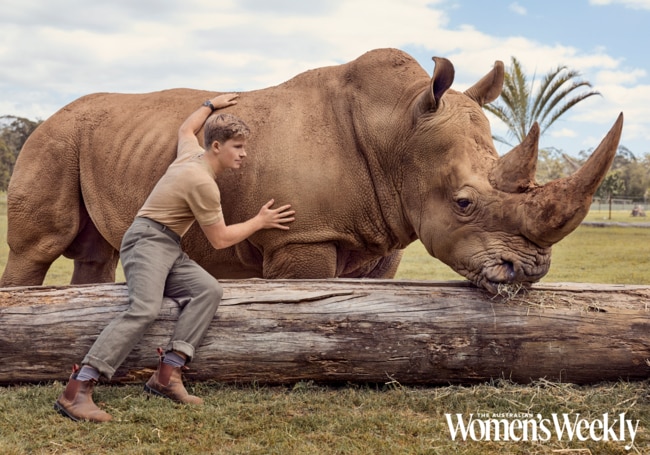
553	211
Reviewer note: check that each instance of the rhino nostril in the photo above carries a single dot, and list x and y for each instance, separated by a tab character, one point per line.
502	272
510	270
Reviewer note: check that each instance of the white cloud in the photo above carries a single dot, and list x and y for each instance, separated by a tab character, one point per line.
563	132
634	4
619	77
518	9
53	52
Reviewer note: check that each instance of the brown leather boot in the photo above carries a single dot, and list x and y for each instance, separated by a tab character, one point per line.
76	401
167	382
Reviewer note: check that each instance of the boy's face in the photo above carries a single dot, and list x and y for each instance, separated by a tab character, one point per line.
231	153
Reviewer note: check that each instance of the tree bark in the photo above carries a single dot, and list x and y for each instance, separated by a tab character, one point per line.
282	331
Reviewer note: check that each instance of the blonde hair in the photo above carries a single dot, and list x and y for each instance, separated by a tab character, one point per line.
222	127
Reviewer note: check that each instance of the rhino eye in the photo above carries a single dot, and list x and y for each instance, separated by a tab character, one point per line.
463	203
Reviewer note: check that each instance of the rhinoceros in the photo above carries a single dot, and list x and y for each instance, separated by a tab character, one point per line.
372	154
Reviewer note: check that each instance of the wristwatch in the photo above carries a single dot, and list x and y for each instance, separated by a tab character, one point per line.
209	104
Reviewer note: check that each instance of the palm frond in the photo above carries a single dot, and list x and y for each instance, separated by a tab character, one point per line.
518	108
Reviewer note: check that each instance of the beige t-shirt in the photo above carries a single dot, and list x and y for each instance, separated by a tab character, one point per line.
186	192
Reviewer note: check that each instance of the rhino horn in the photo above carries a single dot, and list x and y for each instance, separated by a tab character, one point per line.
553	211
515	171
489	87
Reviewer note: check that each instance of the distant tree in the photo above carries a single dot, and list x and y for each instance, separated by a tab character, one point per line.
519	108
554	164
14	131
7	160
613	185
634	173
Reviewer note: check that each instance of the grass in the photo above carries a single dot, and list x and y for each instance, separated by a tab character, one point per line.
308	418
587	255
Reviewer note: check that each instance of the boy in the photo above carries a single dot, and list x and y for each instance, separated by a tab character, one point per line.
156	267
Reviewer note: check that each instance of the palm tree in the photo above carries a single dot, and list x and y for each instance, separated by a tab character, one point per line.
519	109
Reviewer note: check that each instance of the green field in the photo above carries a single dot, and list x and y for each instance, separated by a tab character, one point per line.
308	418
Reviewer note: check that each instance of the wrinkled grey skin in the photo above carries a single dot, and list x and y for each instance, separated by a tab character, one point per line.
372	155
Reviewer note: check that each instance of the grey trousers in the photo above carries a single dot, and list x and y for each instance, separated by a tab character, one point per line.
156	267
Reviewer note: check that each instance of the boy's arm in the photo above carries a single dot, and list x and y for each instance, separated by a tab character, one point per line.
222	236
193	123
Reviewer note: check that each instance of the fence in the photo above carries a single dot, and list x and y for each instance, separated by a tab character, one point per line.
618	204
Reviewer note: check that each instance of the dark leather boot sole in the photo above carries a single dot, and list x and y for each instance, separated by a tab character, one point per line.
155	392
61	410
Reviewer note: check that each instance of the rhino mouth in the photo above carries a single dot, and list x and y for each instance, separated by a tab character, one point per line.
498	272
497	287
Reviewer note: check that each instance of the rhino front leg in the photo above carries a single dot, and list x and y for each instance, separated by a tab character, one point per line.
383	267
301	261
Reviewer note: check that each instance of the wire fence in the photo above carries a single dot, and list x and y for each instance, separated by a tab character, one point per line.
635	208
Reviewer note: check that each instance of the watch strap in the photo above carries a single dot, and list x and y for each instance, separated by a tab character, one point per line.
209	104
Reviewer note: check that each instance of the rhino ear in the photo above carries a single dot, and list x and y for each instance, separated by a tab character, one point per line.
443	77
489	87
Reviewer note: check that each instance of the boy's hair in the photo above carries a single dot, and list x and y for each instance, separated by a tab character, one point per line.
222	127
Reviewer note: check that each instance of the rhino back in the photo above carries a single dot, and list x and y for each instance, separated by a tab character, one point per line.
327	142
323	141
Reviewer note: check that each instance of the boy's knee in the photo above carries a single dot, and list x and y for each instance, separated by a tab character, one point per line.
212	289
144	316
217	291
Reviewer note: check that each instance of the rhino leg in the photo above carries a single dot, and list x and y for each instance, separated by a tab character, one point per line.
301	261
22	271
32	251
38	231
383	267
95	260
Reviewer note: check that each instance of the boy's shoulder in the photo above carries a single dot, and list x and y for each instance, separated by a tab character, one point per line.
187	148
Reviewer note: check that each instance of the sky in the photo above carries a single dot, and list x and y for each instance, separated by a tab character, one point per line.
54	51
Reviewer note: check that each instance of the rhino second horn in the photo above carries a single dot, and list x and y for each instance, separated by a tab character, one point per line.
515	171
553	211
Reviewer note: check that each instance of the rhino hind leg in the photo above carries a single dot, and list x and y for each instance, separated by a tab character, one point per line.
23	271
35	241
95	259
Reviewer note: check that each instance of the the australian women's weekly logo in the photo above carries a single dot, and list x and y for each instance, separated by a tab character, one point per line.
523	427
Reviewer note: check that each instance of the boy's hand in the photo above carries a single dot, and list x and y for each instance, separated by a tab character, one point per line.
275	218
224	100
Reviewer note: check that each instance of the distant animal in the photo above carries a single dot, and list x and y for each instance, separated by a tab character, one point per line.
638	211
372	154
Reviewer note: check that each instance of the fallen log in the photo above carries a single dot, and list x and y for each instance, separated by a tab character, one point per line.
283	331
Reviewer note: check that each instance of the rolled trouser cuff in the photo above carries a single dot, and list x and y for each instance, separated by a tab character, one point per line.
183	348
104	368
